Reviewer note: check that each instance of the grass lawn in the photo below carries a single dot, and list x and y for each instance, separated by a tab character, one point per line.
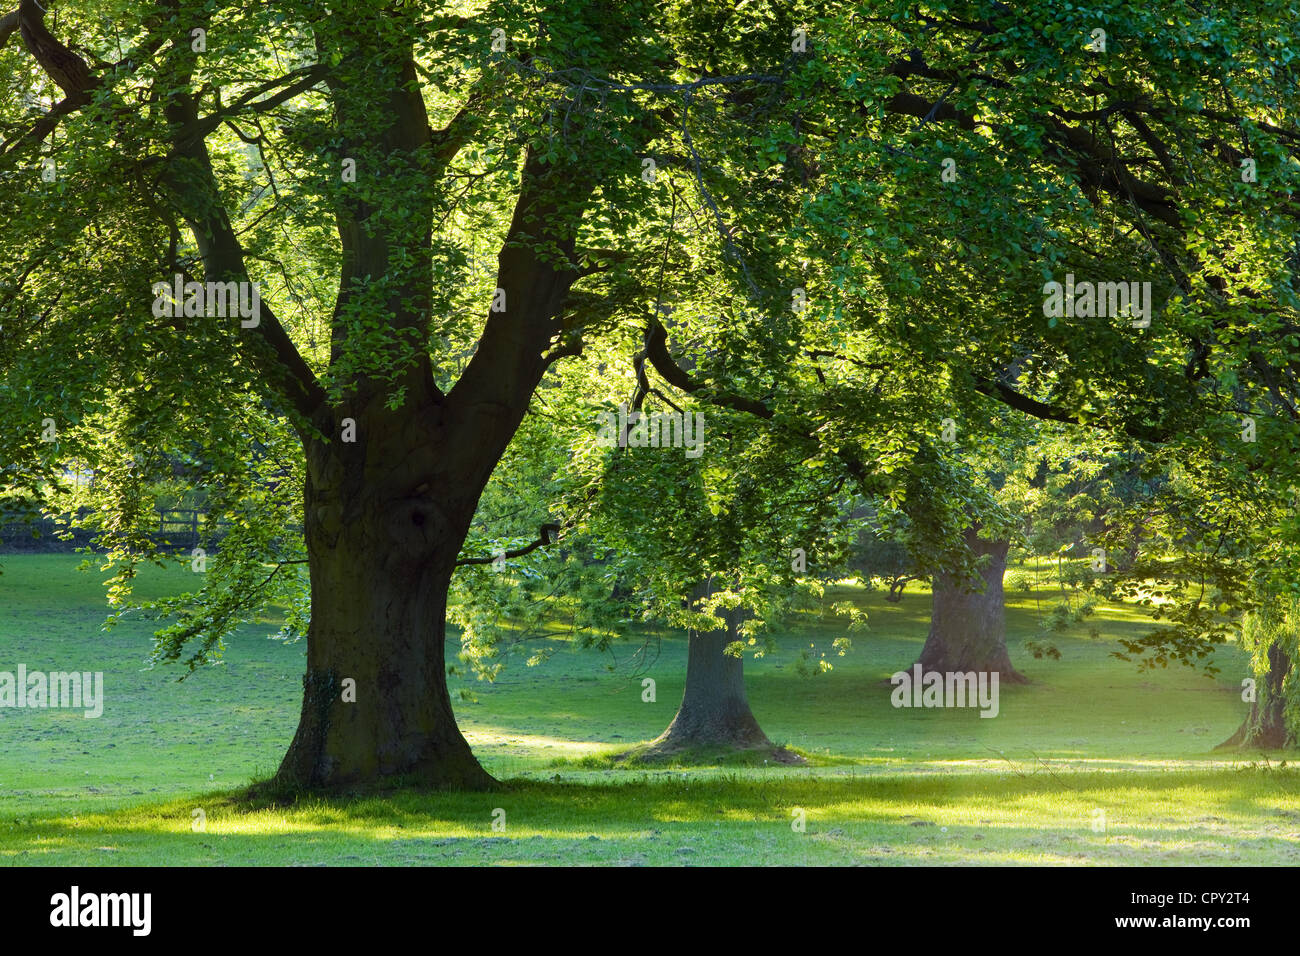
1091	763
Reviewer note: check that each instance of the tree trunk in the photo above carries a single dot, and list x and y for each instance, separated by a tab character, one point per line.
714	711
968	631
382	547
1265	726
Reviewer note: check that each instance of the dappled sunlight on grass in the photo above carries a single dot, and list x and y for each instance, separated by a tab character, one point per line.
499	737
1089	733
663	818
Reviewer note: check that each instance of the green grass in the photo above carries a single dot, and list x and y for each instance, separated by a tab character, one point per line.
1090	734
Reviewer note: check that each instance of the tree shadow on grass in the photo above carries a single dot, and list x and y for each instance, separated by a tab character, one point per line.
1246	816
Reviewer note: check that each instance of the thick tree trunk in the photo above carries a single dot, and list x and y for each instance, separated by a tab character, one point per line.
715	710
382	627
382	550
386	515
1265	726
968	631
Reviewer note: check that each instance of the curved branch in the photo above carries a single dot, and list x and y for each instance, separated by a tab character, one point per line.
223	259
60	64
548	534
8	24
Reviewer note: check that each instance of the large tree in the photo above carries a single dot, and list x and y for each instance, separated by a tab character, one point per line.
217	143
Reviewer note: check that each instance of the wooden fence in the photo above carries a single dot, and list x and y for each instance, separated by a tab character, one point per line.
177	528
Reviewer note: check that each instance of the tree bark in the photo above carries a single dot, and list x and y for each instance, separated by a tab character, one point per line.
715	709
968	631
382	548
1265	726
385	517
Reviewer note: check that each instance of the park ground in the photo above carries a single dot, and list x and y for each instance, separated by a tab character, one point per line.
1093	762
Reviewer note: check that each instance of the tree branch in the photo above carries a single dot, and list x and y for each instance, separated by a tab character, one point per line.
8	24
60	64
308	77
548	534
192	183
1008	396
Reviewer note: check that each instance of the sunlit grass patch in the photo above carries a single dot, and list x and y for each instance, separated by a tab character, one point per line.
1088	734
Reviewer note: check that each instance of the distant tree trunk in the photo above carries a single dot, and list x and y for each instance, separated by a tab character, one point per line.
714	711
968	631
1265	726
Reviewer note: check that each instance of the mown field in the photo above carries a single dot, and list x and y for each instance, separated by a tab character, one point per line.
1093	762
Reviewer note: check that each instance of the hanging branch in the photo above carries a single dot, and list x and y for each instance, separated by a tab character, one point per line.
548	534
